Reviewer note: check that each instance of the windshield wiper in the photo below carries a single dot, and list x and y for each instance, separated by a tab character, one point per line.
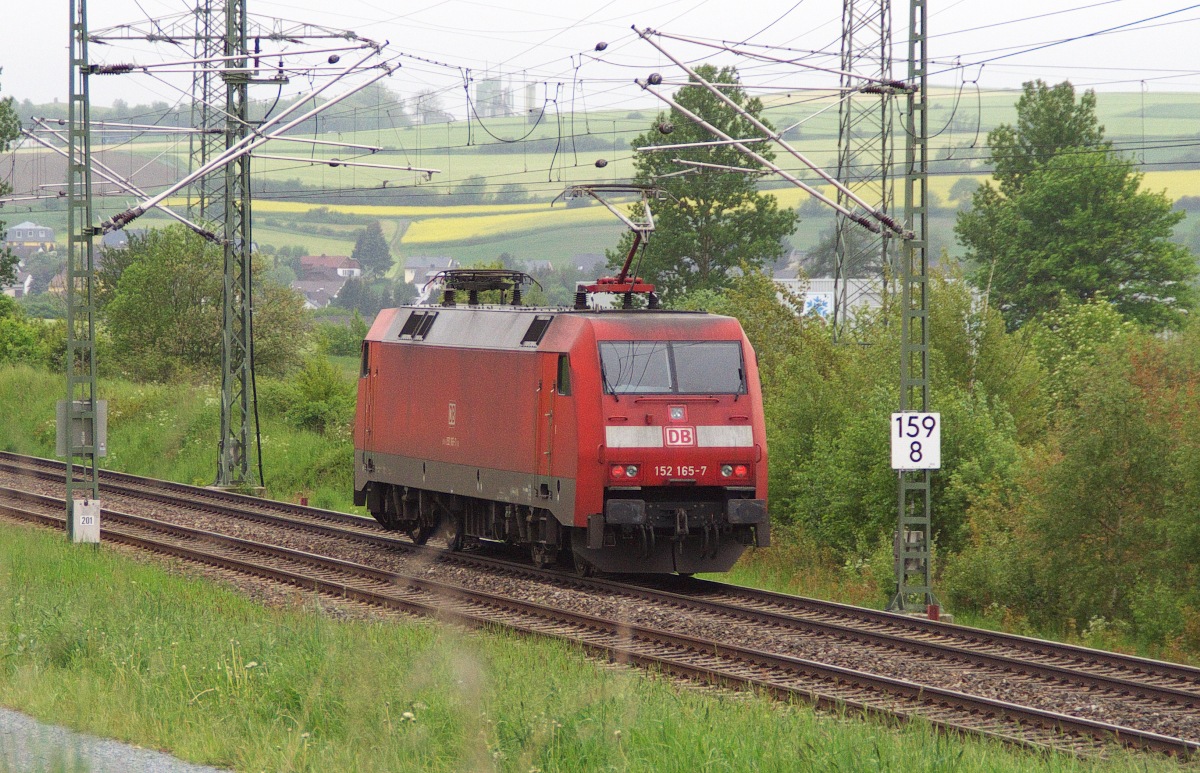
604	376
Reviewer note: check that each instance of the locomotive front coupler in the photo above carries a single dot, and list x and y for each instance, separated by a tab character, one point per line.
681	523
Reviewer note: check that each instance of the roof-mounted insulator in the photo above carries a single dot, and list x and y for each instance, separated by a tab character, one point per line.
112	69
476	280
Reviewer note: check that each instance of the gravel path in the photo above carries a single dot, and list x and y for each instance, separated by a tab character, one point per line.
945	673
27	745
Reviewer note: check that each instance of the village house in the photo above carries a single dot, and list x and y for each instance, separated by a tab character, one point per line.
311	267
28	238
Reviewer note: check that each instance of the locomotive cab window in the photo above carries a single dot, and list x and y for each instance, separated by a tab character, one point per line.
364	368
564	374
673	367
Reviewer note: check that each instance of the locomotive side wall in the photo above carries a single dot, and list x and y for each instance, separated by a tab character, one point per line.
460	421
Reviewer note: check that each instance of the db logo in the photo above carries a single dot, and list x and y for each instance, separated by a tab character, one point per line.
680	436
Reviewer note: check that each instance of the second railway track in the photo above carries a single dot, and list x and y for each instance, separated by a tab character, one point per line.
1159	688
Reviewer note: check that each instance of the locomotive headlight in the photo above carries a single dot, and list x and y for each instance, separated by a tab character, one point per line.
726	470
618	470
631	471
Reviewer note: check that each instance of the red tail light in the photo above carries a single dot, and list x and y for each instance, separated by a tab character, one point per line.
618	471
740	471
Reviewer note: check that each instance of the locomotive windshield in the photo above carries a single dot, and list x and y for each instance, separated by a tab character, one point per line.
672	367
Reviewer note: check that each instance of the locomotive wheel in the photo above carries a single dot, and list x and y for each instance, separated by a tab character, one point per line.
583	567
540	554
420	533
452	532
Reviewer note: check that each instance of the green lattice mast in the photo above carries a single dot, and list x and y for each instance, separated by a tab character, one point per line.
913	564
237	415
80	357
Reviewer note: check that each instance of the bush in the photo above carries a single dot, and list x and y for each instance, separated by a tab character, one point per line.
164	314
319	398
23	340
342	340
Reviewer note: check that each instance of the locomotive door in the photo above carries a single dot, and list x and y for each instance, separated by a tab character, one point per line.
543	465
369	397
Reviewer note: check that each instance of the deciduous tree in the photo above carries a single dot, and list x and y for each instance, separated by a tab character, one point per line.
714	221
1069	222
10	129
165	315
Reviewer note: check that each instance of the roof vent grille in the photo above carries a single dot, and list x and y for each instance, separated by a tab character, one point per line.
536	330
416	327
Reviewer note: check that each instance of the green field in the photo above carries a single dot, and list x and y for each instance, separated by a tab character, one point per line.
470	233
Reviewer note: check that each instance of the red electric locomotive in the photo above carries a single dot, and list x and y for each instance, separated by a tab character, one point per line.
626	440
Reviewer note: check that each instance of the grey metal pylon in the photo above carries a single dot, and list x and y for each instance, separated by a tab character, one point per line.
80	357
206	195
913	545
238	418
865	154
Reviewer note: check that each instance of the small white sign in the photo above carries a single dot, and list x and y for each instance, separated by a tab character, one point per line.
86	517
916	441
820	304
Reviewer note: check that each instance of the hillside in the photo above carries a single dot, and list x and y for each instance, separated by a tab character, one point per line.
492	193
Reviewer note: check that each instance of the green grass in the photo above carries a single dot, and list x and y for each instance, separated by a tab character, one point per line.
170	432
316	245
103	644
557	246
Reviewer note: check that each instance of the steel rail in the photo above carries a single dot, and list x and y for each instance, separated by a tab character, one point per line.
1058	663
703	659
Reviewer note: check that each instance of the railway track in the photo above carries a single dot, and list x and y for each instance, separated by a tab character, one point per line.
1162	686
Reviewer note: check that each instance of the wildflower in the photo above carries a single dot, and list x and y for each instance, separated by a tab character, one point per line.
251	664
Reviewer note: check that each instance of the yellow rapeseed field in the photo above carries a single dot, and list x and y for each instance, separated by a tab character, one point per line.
437	225
465	210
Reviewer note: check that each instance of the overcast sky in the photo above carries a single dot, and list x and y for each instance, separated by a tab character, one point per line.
541	41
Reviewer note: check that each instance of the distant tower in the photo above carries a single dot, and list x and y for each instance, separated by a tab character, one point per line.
864	148
531	105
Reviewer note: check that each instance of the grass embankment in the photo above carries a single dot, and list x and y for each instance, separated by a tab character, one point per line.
122	649
170	432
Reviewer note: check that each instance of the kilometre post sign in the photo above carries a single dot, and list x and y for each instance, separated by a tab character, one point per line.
916	441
